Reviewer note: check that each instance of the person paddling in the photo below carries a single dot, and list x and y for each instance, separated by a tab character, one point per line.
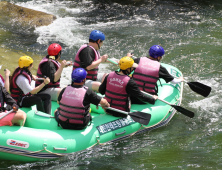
22	91
74	103
50	67
118	87
149	71
88	57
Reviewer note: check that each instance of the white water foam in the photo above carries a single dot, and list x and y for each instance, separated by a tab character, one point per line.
64	29
211	104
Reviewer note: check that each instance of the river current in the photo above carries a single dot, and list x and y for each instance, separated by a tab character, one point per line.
189	31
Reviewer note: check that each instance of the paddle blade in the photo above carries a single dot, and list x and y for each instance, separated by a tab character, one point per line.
200	88
140	117
183	111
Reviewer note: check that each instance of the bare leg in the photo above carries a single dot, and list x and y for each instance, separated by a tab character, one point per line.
95	86
104	75
19	118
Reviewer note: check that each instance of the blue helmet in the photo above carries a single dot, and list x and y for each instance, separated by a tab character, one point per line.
156	51
78	75
96	35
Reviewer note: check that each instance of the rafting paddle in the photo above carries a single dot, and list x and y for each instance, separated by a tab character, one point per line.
178	108
199	88
140	117
6	114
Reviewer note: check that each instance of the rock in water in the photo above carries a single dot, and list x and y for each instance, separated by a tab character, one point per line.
24	15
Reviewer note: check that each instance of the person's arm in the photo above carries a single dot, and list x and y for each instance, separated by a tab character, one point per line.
103	102
102	87
97	62
60	95
23	84
164	74
49	70
7	73
58	73
136	60
133	90
7	97
87	57
38	88
92	97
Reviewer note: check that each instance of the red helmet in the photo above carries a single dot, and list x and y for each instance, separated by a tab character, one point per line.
54	49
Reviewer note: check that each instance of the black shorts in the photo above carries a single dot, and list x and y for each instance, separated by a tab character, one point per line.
67	125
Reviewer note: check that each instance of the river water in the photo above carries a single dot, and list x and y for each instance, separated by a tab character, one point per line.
189	31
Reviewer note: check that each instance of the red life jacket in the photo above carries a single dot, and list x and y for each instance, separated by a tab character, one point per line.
71	106
16	92
116	93
147	74
40	75
91	74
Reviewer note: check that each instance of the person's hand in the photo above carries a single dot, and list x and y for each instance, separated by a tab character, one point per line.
104	58
69	63
34	77
129	54
104	103
63	63
7	72
15	107
181	78
155	97
46	80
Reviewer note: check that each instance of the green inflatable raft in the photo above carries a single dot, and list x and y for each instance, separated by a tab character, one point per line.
42	139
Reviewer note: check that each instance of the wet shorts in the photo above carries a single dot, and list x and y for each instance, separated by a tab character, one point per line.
89	83
53	92
7	120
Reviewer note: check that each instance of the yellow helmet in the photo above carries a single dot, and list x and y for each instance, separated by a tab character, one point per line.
25	61
125	63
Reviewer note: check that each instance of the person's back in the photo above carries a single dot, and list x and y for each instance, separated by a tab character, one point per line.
147	74
149	71
74	103
118	87
50	67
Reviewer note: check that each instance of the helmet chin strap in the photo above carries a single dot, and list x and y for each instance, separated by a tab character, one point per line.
98	44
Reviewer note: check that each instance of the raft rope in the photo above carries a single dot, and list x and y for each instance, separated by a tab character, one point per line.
35	154
98	141
57	155
30	154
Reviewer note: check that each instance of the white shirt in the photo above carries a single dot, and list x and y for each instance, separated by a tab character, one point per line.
23	84
1	81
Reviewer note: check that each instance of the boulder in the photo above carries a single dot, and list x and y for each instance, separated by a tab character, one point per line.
24	15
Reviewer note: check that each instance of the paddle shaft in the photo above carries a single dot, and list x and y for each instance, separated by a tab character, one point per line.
157	99
117	110
112	61
6	114
39	79
140	117
178	108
